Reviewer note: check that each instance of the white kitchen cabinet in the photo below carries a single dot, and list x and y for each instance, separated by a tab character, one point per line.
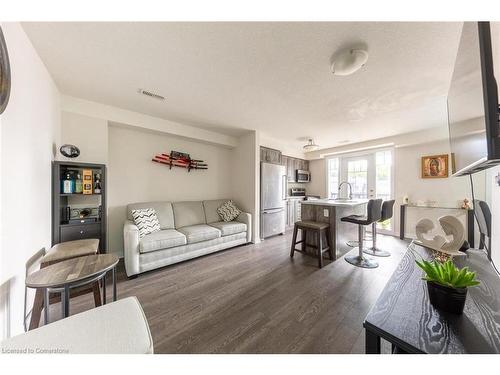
293	211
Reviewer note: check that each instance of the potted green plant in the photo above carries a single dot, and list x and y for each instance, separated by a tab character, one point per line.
447	284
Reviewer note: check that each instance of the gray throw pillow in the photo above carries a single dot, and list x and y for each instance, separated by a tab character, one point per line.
228	211
146	220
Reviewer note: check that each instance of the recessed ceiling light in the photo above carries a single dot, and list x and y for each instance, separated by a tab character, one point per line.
349	61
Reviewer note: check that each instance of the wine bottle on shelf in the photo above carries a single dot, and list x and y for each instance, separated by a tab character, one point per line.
97	183
78	184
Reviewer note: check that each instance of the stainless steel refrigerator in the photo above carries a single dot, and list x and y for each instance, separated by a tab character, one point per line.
273	183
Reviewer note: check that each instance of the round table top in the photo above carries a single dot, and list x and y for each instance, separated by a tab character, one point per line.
71	271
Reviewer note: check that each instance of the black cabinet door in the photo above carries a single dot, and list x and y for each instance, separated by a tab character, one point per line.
79	232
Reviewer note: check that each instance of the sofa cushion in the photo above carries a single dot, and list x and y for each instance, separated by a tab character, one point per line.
199	233
188	213
164	239
228	211
211	214
146	221
230	227
163	211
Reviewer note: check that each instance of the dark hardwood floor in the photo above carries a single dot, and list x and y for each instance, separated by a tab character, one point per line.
255	299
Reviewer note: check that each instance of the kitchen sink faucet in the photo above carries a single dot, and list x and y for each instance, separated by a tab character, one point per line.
350	188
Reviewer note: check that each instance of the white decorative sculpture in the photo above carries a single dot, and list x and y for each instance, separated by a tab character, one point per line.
451	226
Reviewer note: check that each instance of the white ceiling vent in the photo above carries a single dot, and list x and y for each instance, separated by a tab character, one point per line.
151	94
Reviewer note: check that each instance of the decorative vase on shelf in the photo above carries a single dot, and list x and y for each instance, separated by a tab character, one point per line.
68	184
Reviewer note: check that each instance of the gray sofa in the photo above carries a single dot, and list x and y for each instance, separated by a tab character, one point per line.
188	230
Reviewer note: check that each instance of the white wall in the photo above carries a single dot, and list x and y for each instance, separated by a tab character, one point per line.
448	192
145	122
30	131
89	134
133	177
246	178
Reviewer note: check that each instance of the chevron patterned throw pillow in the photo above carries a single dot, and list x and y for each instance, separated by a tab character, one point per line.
228	211
146	220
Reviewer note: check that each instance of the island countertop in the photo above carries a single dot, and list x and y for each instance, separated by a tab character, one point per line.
336	202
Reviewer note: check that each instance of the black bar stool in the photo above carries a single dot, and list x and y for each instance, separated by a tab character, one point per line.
483	218
373	214
387	212
318	228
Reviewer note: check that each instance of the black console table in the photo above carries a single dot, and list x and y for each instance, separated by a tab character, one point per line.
403	315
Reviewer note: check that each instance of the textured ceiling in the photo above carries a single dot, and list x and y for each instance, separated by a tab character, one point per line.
274	77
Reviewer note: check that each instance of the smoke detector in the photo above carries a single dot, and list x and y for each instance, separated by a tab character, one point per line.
151	94
349	61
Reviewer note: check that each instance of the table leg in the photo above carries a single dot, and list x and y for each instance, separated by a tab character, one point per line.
62	303
66	301
372	342
46	305
402	219
104	290
97	293
114	284
36	311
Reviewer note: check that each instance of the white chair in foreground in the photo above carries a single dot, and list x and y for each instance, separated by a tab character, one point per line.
116	328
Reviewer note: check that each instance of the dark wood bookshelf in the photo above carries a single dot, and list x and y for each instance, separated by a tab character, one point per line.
64	229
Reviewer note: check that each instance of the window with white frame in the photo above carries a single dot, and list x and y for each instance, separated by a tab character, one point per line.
333	173
369	174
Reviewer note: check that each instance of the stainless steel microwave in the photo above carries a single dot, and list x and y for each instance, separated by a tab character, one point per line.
302	176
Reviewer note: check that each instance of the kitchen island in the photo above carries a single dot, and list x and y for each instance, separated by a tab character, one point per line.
331	211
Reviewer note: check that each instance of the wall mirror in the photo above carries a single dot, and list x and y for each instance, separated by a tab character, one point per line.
4	74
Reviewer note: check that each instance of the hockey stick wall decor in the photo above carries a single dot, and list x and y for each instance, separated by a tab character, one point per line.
179	159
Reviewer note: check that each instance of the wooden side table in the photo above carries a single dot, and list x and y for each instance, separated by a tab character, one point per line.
58	253
62	276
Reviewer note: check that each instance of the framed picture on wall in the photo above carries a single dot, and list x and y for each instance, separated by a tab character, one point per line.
435	166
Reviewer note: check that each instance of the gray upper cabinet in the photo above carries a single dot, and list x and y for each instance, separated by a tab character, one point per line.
292	164
270	155
290	169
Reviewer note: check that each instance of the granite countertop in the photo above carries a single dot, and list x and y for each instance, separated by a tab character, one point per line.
336	203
